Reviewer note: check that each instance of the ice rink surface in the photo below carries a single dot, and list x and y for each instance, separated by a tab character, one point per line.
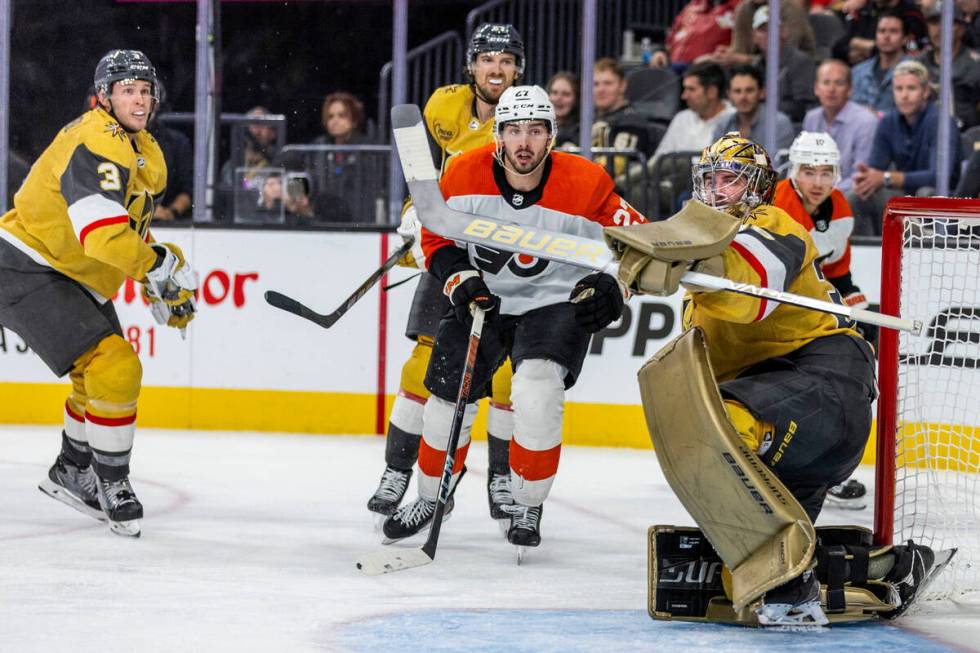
250	540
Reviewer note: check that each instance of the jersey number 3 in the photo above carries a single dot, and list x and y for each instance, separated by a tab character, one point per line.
110	176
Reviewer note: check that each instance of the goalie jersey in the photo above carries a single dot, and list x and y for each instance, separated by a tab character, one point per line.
85	208
771	250
575	196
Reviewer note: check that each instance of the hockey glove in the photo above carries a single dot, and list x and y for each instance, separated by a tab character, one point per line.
598	300
410	230
465	288
170	286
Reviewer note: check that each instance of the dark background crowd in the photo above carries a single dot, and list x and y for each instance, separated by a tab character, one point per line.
669	93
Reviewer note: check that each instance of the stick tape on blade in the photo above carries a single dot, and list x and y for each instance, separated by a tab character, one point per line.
385	562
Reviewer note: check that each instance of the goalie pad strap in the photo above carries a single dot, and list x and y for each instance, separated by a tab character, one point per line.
832	561
758	529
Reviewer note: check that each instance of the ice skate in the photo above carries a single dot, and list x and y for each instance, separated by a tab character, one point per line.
793	604
525	528
120	505
500	498
73	486
413	518
916	566
390	492
851	495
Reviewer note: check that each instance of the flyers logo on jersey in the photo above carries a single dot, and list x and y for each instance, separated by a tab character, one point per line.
531	240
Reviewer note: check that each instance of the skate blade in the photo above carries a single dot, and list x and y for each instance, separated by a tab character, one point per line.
521	554
504	526
59	493
379	521
846	504
806	616
129	528
942	559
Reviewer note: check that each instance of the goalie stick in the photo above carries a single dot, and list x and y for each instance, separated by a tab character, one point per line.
438	217
384	562
290	305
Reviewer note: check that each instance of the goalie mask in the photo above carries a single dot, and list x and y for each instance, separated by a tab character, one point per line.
815	149
495	37
734	174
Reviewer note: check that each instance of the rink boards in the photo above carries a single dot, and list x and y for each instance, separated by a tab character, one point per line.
248	366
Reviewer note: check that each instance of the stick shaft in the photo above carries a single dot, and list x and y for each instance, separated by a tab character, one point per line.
460	411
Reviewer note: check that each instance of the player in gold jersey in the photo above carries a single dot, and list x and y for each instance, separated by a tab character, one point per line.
78	229
459	118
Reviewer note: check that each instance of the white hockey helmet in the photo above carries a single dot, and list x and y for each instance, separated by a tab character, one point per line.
524	103
814	149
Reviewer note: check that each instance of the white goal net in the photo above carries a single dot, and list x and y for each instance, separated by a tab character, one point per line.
929	408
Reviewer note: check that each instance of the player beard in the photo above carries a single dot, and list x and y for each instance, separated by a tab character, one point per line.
523	160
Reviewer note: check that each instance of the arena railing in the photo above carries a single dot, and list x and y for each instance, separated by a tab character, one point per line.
551	27
435	63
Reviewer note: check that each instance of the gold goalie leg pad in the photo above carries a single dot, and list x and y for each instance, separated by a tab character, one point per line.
686	582
758	529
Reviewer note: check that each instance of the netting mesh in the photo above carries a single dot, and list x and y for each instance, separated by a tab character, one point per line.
937	447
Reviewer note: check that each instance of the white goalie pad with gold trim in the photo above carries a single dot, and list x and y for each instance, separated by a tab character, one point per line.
758	529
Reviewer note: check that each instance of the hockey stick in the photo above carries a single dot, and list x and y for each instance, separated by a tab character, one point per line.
290	305
384	562
581	251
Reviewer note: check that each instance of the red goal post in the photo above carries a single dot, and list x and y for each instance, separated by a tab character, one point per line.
928	426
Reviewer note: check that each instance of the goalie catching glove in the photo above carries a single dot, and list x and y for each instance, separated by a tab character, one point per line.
170	286
653	257
598	300
467	287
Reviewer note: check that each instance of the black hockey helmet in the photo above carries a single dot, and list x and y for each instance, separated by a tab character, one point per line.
124	65
496	37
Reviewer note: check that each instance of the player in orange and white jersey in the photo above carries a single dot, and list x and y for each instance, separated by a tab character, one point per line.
458	118
529	316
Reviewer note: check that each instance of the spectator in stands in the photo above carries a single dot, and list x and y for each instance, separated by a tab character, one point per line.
851	125
699	29
177	152
295	200
872	78
743	49
969	185
796	69
746	92
693	128
617	123
966	66
861	20
345	182
971	14
609	88
259	148
903	157
563	91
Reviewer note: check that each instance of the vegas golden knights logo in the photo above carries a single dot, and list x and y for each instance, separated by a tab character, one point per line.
140	209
